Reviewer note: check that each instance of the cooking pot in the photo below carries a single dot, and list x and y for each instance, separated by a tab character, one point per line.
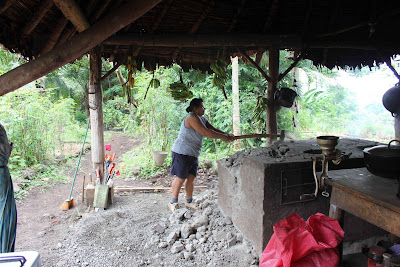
391	100
383	160
285	97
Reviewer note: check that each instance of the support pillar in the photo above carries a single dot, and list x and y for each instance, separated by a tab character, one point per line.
235	100
271	122
96	111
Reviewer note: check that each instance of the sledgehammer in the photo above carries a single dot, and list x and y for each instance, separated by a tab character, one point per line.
281	136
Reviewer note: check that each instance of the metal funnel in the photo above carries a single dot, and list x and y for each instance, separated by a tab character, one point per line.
327	143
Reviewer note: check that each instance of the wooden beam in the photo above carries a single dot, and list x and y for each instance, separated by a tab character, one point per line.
119	63
282	75
259	54
272	126
394	12
255	64
100	10
40	11
238	39
55	35
136	188
236	15
5	5
389	64
76	47
207	10
201	40
73	13
273	10
156	23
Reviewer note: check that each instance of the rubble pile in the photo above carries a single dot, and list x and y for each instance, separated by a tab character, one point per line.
201	232
139	230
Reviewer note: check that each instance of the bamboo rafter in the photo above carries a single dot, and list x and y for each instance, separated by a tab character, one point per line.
156	23
73	13
196	26
271	15
6	4
41	10
99	11
360	24
210	5
235	17
55	35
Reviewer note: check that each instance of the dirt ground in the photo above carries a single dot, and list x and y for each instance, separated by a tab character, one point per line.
137	230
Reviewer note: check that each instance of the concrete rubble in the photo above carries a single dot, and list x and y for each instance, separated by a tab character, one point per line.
196	232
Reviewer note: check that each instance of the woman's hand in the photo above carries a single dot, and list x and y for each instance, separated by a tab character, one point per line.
228	138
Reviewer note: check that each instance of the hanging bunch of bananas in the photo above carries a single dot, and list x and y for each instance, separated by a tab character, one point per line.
220	74
132	68
179	91
259	109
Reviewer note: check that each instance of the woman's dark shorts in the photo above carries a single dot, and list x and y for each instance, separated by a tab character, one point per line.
183	165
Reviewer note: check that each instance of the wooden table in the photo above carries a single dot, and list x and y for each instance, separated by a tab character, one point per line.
367	196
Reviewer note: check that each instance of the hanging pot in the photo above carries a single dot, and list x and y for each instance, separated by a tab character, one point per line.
391	100
285	97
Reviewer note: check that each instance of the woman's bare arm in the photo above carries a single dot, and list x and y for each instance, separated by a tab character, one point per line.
193	121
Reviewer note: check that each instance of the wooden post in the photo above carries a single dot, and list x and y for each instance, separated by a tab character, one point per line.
235	100
96	111
271	123
397	127
338	214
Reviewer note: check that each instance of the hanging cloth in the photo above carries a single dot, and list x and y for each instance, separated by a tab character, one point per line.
8	215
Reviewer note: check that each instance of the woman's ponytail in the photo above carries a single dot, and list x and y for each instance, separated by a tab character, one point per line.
196	102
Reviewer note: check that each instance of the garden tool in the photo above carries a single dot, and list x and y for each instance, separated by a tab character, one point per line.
68	203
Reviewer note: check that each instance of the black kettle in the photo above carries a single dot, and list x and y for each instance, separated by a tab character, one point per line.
285	97
391	100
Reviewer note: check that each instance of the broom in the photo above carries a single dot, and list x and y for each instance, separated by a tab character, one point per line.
68	203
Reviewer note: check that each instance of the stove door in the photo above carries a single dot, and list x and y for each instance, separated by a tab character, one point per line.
296	182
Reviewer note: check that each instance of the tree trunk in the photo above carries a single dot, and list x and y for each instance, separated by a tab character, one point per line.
235	100
271	122
96	112
397	127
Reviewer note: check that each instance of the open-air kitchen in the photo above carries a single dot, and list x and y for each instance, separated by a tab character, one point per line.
352	184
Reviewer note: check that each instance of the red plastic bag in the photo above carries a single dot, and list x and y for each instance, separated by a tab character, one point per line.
296	243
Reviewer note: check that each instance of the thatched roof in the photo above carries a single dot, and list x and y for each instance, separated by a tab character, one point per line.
192	33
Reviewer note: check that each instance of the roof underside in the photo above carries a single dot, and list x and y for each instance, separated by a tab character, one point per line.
193	32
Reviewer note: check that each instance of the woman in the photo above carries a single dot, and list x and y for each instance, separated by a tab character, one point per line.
187	148
8	216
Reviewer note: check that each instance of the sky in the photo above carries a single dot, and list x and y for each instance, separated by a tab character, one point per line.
370	88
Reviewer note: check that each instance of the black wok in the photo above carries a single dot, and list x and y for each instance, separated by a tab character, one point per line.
383	160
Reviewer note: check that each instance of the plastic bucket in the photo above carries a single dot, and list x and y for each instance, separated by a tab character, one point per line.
159	157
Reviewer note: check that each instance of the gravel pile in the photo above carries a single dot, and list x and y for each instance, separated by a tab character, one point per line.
139	230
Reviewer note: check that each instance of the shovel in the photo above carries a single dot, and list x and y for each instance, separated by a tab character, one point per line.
101	196
100	193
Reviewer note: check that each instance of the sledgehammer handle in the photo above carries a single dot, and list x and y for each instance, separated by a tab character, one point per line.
282	135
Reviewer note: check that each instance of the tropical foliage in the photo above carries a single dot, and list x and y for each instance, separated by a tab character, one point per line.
42	117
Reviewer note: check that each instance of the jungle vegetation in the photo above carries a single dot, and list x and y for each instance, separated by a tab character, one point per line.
44	116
